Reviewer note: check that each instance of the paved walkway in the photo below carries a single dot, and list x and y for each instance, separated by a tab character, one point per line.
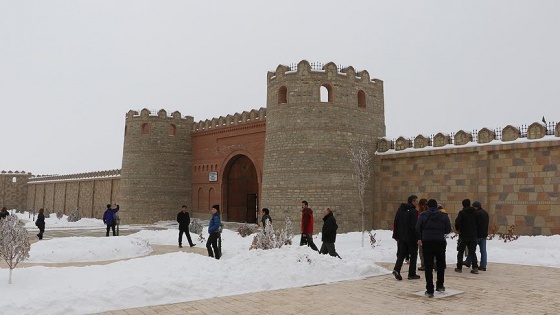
503	289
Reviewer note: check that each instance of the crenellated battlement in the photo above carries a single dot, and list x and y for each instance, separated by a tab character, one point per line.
534	131
330	70
162	113
231	120
14	173
78	176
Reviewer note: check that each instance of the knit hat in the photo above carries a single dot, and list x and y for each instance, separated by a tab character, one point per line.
476	204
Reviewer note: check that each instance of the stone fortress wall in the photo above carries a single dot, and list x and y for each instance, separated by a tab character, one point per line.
230	120
516	177
90	192
13	189
514	174
218	143
308	138
156	176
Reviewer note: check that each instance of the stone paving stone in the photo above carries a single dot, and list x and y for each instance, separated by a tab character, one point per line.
504	289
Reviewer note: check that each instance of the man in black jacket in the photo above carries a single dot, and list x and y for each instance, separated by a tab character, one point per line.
404	232
465	224
184	220
329	234
432	226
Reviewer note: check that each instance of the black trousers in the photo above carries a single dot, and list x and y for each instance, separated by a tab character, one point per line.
472	253
433	249
186	231
212	243
405	249
41	231
308	239
112	226
328	248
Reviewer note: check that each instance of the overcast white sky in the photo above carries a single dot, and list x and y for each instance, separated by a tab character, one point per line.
70	70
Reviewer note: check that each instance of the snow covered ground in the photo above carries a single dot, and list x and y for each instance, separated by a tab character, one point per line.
181	276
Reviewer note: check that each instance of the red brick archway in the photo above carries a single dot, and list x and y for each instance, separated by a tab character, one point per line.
240	190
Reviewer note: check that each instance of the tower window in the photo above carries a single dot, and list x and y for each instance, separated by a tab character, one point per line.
326	93
14	179
145	129
361	99
283	95
172	130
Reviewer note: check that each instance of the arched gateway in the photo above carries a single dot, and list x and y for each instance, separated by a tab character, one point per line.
240	190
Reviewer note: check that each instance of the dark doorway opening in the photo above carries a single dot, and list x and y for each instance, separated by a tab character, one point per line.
241	191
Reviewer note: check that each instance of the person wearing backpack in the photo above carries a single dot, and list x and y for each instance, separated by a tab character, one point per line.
109	219
432	226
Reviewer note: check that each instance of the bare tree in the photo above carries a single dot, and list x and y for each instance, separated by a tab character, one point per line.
361	160
14	242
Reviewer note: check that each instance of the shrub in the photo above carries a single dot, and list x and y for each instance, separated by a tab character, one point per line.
372	240
14	242
75	215
509	236
201	238
268	238
195	227
246	229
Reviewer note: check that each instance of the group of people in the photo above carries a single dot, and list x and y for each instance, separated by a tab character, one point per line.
214	229
422	224
328	232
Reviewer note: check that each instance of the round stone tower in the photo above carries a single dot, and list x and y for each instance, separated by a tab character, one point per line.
156	169
315	114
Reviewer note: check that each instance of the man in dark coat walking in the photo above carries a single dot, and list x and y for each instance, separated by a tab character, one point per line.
432	226
404	232
329	234
465	224
184	220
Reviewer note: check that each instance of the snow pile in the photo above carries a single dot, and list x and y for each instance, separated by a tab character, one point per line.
88	249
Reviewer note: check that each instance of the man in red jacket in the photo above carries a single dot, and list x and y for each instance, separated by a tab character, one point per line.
307	226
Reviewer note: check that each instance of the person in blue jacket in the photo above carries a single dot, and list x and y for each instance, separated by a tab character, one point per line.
109	219
214	231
